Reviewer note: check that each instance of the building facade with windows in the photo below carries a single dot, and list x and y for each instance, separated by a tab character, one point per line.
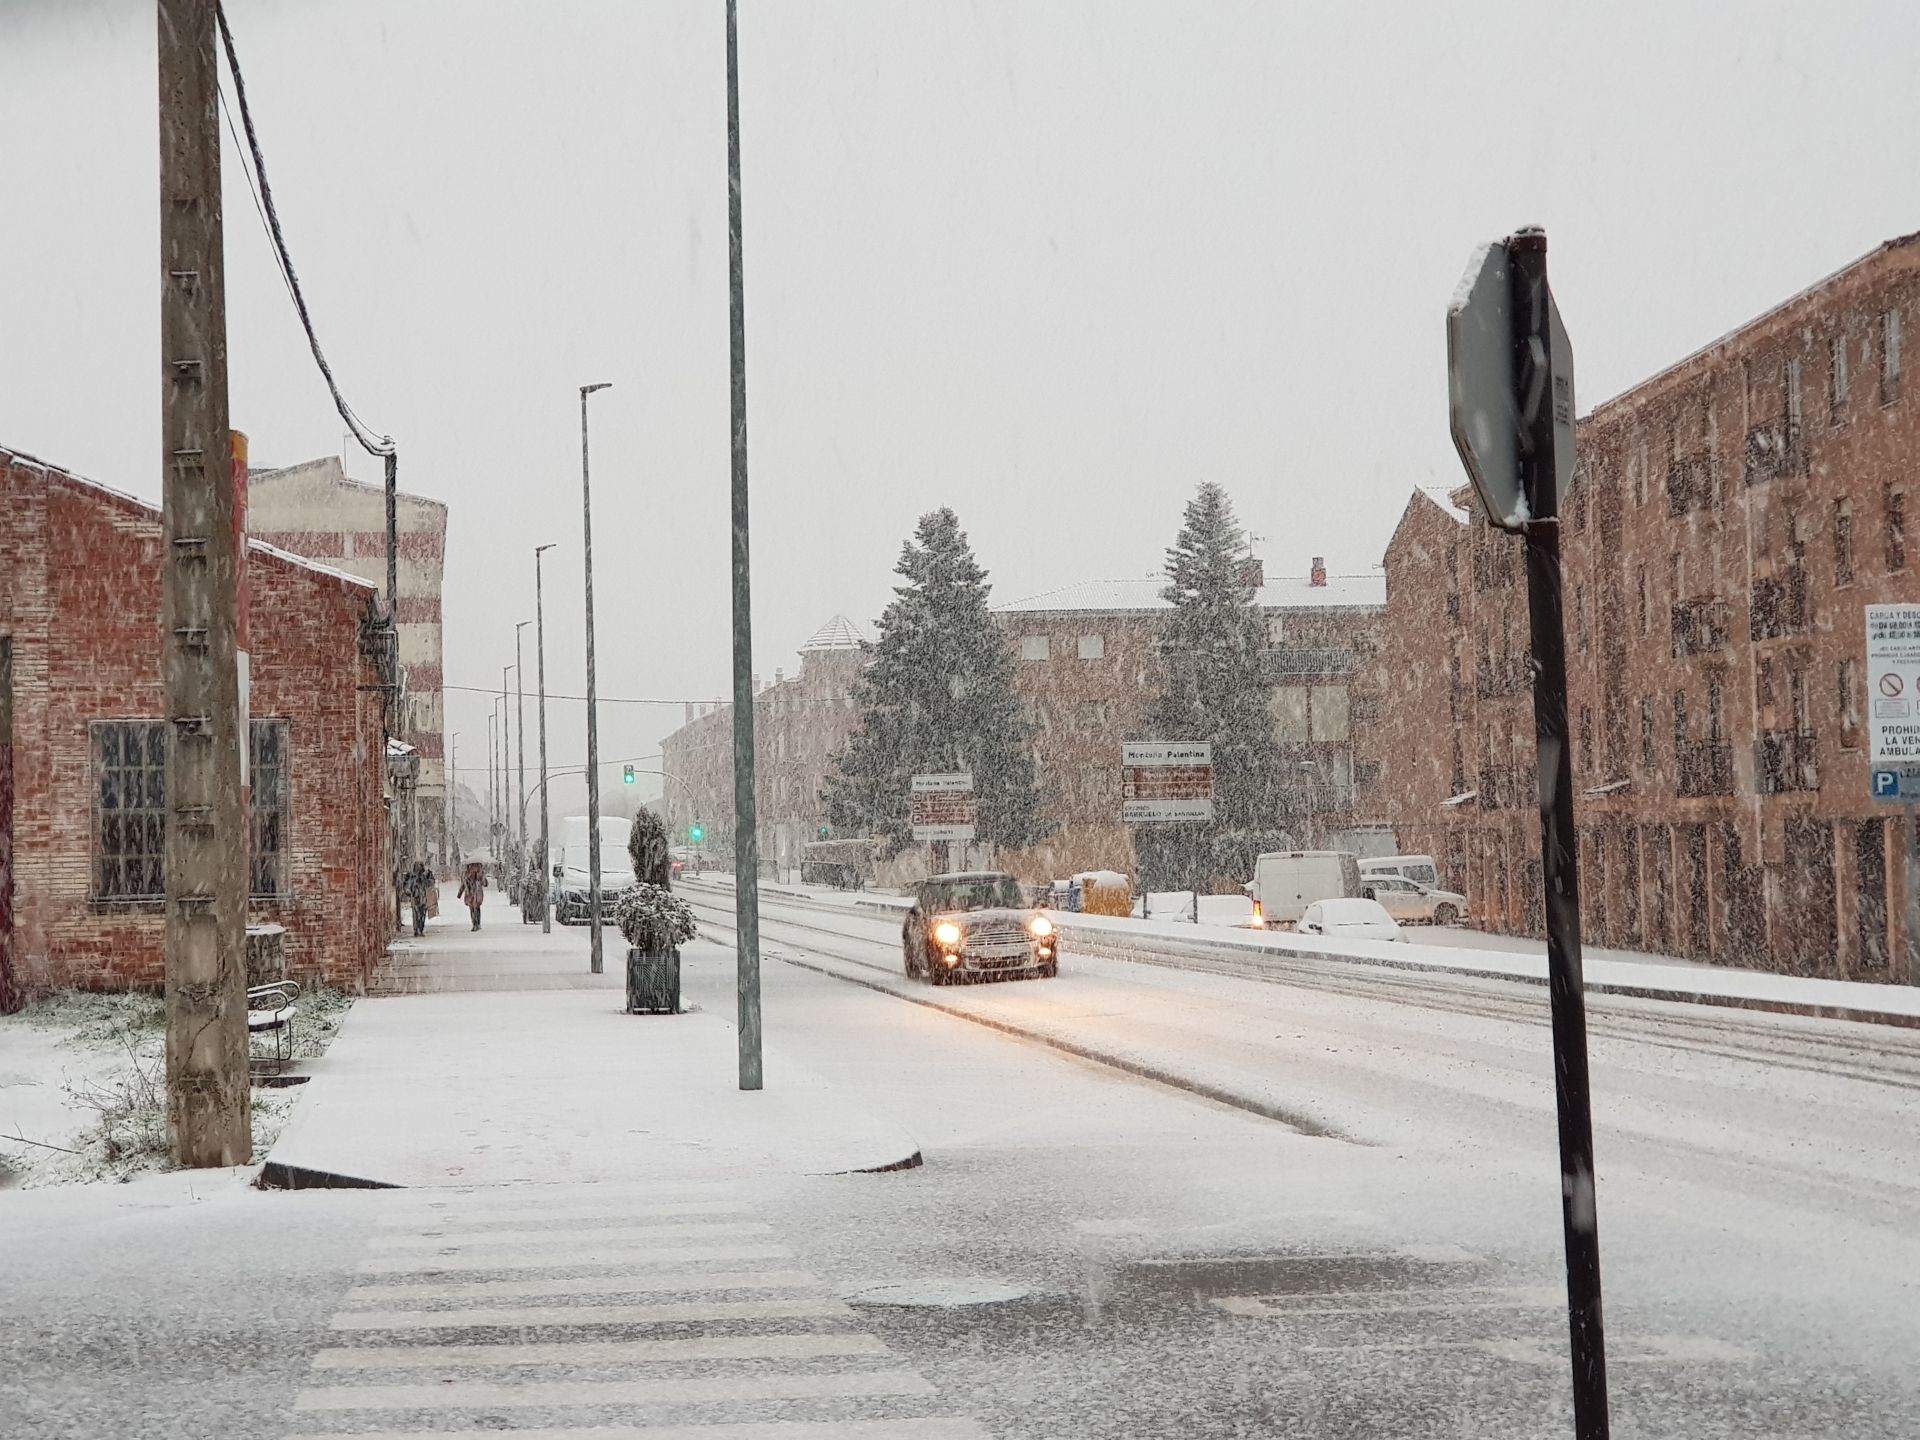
1089	666
80	621
801	724
314	510
1729	521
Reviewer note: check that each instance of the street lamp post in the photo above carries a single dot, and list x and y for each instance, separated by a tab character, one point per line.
540	670
520	728
597	962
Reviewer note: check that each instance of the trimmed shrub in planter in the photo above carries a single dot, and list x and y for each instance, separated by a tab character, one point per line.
655	921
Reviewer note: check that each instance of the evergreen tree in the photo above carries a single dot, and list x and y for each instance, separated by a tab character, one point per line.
1217	690
937	695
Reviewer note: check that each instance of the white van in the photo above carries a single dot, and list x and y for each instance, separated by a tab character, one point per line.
1418	868
1286	882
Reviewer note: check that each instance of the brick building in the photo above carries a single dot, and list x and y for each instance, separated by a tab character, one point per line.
801	723
80	622
1730	519
1088	667
314	510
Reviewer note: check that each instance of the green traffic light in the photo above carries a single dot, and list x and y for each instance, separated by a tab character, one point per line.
627	778
696	832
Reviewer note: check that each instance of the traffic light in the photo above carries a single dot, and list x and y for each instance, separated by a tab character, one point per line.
824	831
696	833
627	779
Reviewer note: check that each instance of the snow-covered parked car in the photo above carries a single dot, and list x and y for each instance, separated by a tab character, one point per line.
1349	920
976	923
1410	902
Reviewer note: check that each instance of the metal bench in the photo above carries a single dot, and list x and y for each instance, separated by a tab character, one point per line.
270	1011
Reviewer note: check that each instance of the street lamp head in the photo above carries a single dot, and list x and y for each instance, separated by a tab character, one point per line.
540	550
601	385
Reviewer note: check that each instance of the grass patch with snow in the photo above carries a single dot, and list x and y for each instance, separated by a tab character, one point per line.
119	1101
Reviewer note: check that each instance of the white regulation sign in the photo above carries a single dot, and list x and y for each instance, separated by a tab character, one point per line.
941	806
1893	701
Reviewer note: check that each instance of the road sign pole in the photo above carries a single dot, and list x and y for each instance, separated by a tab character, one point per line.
1913	896
1535	395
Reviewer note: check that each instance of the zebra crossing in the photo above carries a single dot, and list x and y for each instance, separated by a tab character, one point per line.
602	1314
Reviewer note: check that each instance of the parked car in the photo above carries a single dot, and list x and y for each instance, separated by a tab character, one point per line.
1420	868
1349	920
1286	882
976	923
1408	901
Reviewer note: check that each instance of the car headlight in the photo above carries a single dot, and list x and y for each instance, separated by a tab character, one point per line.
947	933
1041	925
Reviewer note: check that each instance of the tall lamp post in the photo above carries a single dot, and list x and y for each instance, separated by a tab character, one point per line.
520	729
540	671
597	964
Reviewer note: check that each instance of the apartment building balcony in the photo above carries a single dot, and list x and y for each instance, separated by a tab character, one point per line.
1785	762
1700	627
1705	767
1779	606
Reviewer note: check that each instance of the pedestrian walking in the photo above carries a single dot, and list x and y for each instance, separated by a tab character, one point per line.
473	890
419	882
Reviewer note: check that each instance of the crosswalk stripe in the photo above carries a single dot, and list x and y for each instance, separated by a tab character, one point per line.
690	1281
602	1352
485	1223
528	1315
531	1202
669	1390
931	1428
613	1235
560	1259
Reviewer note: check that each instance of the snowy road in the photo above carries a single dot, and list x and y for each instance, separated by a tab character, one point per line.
1759	1174
1085	1254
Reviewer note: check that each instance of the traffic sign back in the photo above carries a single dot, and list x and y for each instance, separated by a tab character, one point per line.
1490	410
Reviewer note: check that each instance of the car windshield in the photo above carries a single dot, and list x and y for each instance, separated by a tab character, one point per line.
986	892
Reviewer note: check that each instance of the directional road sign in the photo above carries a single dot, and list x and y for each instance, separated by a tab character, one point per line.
1490	412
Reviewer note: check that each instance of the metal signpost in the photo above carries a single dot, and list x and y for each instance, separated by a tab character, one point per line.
1510	383
941	809
1164	782
1893	728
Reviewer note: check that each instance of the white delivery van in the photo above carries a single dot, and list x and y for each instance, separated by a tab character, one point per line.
1418	868
1286	882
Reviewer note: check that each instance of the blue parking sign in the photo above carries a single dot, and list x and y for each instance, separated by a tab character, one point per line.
1886	784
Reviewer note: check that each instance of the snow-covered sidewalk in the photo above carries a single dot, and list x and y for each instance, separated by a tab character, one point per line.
500	1085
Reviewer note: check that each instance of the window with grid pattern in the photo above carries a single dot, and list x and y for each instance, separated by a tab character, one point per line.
267	807
130	800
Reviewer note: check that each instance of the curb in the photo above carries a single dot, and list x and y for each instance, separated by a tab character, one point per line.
276	1175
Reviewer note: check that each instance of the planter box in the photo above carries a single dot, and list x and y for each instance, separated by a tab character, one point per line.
653	982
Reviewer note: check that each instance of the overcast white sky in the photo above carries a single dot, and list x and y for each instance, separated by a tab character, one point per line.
1052	263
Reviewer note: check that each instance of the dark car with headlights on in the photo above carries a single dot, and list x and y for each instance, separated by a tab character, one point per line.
974	924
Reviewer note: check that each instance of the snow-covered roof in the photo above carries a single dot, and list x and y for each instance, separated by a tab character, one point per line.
1135	597
839	633
399	747
134	502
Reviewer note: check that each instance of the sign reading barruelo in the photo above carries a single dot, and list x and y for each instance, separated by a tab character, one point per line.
1166	780
941	806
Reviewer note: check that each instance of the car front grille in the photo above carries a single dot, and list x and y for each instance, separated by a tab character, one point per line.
998	942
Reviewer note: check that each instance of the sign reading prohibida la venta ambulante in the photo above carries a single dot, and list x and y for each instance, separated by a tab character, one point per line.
1163	780
941	806
1893	700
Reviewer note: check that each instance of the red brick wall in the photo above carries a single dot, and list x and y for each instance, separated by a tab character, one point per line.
1690	845
80	593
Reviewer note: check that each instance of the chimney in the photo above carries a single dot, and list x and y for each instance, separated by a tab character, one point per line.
779	676
1252	572
1318	575
689	712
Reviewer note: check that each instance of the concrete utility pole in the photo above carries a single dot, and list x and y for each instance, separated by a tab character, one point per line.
520	729
208	1106
597	961
503	841
453	795
540	671
746	848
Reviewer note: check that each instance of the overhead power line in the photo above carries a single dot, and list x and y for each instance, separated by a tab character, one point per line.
600	700
372	444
